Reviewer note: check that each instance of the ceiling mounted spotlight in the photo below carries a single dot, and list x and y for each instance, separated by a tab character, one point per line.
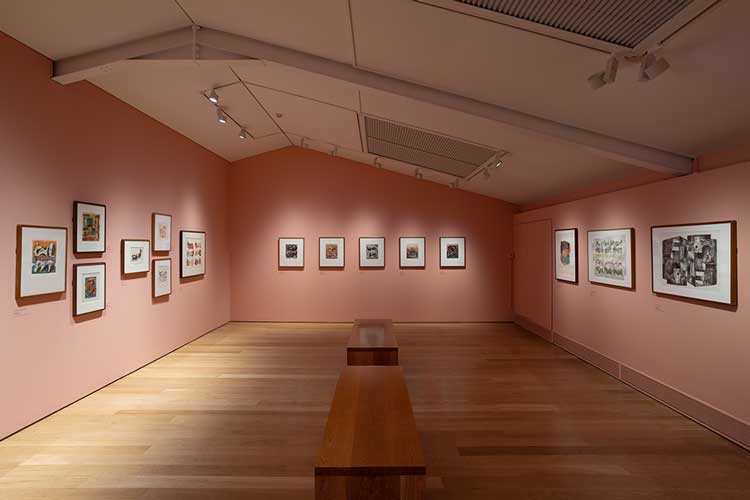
213	96
498	163
243	133
596	81
651	67
418	173
376	163
602	78
220	116
486	174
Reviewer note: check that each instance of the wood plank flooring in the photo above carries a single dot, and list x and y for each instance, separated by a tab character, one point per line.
240	414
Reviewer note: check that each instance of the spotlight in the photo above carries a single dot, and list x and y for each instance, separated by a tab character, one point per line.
213	96
418	173
498	163
376	163
651	67
610	71
454	184
220	116
596	81
243	133
486	174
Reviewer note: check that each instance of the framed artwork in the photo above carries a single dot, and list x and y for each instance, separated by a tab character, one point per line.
162	277
89	227
697	261
161	232
291	253
89	283
41	260
453	252
411	252
611	257
372	253
192	253
135	256
566	255
331	253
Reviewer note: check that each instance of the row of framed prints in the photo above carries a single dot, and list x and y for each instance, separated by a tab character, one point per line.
695	261
372	253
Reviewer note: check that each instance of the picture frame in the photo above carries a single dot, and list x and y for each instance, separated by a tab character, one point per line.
161	232
291	253
161	277
41	260
192	253
372	252
611	257
135	256
89	228
695	261
89	288
411	252
331	252
452	252
565	253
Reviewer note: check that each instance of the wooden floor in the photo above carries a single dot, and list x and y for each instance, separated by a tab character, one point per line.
240	413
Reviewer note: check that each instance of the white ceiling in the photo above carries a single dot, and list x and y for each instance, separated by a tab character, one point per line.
699	105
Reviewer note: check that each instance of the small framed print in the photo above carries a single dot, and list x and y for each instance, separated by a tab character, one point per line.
192	253
291	253
331	253
89	227
372	253
162	277
89	283
41	260
453	252
566	255
611	256
411	252
161	232
135	256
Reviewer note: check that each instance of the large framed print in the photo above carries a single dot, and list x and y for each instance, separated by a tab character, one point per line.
696	261
161	232
291	253
162	277
611	257
331	253
89	227
372	253
566	255
135	256
41	260
411	252
453	252
90	284
192	253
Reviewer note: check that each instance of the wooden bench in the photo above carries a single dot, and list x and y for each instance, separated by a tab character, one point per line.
371	448
372	343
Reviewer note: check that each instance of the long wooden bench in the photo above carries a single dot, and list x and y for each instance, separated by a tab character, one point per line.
371	448
372	343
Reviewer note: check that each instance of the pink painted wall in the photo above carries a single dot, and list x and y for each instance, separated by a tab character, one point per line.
64	143
532	288
699	350
296	192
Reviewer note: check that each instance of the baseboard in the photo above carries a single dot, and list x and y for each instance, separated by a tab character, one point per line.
532	327
591	356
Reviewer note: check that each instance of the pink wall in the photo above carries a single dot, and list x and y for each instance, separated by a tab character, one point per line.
296	192
699	350
64	143
532	288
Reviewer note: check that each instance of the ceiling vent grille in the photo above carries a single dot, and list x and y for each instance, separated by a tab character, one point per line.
424	149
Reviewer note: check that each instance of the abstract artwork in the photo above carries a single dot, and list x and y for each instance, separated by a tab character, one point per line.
292	253
135	256
610	257
161	232
41	260
192	253
566	255
411	252
372	253
89	227
452	252
696	261
90	288
332	253
162	277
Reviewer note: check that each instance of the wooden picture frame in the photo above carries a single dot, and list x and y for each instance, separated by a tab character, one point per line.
125	267
157	246
377	265
82	245
155	276
100	304
628	280
567	275
461	255
57	286
337	263
403	253
192	270
283	264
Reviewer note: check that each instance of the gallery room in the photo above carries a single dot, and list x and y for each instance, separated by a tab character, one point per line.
392	249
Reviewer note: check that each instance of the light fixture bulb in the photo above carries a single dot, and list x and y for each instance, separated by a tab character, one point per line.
243	133
498	163
213	96
220	116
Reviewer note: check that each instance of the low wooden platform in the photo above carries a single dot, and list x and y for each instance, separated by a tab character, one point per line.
372	343
371	448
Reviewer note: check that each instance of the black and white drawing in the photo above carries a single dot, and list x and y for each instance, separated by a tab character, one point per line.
372	253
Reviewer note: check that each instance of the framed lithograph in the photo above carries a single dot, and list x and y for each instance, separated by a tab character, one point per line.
192	253
41	260
331	253
453	253
611	256
89	227
135	256
89	283
566	255
161	232
291	253
372	253
411	252
162	277
697	261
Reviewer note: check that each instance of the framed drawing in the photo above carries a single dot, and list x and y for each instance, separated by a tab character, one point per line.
331	253
161	232
697	261
372	253
89	227
566	255
162	277
192	253
41	260
611	257
89	283
291	253
135	256
411	252
453	252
